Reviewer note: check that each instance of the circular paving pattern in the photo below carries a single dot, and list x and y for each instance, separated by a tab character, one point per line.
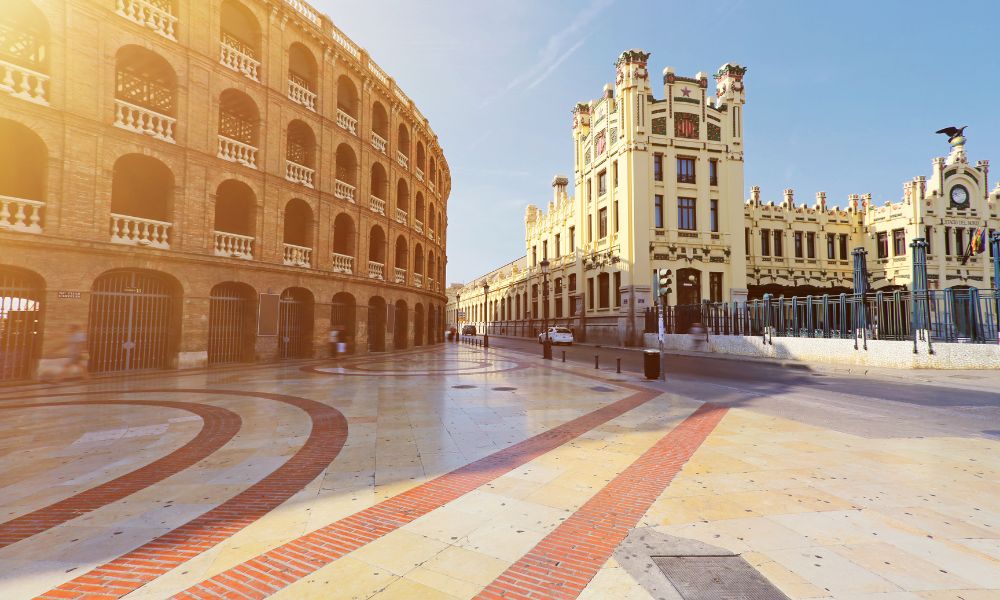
427	366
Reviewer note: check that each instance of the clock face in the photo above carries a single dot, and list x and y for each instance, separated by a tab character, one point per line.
959	195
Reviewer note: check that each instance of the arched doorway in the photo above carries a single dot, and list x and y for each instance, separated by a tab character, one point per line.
343	311
231	312
418	324
21	302
132	321
400	327
688	299
431	323
295	323
376	324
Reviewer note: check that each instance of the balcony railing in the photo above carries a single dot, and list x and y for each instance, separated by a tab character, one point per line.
430	234
377	205
239	61
418	226
305	10
418	280
21	214
149	15
432	185
24	83
402	159
238	152
401	216
142	120
400	275
420	174
346	121
343	190
343	263
297	256
376	270
297	173
378	142
233	245
300	94
134	231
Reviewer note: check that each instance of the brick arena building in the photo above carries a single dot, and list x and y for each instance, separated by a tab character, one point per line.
202	182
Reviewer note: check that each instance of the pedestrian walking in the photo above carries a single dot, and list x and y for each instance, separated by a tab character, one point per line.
76	354
333	338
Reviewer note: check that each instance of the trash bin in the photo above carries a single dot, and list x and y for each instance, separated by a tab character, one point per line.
651	364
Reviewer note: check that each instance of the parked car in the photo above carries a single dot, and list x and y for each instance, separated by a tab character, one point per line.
558	335
468	330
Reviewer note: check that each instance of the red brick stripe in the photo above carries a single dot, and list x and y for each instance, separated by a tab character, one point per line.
153	559
565	561
218	427
267	573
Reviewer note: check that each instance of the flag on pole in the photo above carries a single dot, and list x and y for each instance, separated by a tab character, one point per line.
977	244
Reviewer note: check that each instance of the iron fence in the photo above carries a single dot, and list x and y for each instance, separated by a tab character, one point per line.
951	315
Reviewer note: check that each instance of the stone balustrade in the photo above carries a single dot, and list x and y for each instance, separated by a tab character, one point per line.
296	256
342	263
24	83
300	94
305	10
401	216
234	245
238	61
149	15
142	120
135	231
343	190
379	142
430	235
432	185
238	152
377	205
418	280
21	214
420	174
418	226
376	270
402	159
346	121
400	275
297	173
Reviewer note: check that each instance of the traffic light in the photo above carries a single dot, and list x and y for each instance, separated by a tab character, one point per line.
666	280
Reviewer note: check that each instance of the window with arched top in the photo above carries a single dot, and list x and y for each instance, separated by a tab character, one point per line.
302	76
347	104
24	47
344	244
240	39
345	186
298	223
145	93
23	173
403	146
239	125
300	154
235	220
142	194
380	127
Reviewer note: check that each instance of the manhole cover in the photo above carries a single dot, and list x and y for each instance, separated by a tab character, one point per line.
504	389
463	387
601	388
715	577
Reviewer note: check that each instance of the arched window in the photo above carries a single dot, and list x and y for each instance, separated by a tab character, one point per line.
418	260
379	188
376	253
402	258
380	127
239	124
420	160
418	214
300	165
145	93
298	233
343	244
402	201
24	44
23	170
142	193
403	146
347	173
302	79
347	104
240	40
235	219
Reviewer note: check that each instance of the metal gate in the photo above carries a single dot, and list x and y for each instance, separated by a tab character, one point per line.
227	319
294	327
20	325
129	326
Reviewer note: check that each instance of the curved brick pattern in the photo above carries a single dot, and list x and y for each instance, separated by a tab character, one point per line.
266	574
151	560
219	426
565	561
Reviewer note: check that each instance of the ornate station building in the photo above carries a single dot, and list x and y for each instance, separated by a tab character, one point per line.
202	182
658	183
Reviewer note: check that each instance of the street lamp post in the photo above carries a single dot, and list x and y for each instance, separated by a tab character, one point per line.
547	343
486	316
458	322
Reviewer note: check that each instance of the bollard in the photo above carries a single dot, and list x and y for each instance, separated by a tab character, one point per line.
564	356
619	370
596	365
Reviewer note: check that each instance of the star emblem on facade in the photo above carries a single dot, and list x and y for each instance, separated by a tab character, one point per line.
686	92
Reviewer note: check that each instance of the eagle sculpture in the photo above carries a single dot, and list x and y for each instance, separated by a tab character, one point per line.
952	132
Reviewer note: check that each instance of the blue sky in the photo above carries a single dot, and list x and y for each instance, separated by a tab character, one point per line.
842	97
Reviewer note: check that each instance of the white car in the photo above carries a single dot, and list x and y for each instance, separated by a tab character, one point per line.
557	335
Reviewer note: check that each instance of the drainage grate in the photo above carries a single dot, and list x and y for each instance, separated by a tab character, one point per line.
716	578
504	389
463	387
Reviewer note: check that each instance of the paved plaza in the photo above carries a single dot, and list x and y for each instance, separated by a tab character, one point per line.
454	472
